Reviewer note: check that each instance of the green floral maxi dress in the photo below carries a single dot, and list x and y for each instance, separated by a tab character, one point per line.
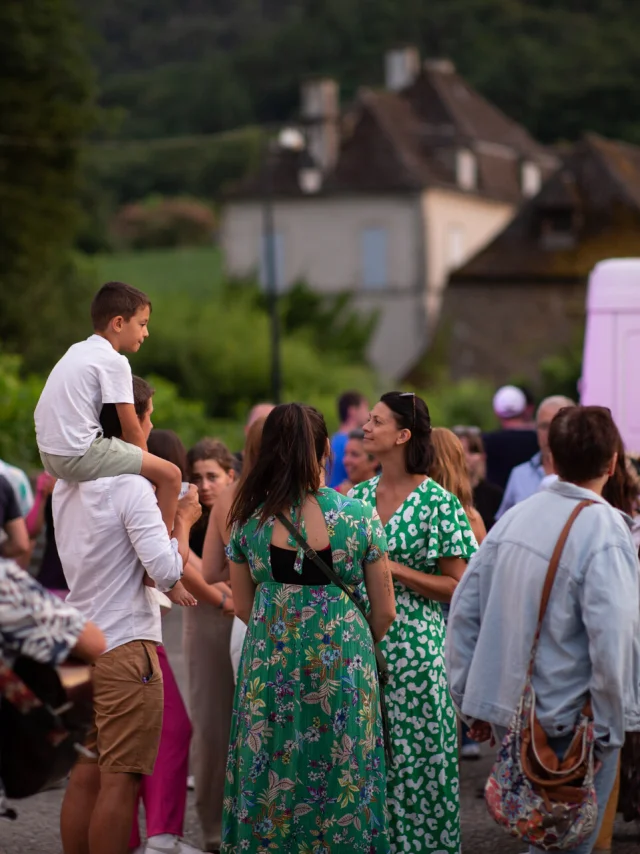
306	771
423	785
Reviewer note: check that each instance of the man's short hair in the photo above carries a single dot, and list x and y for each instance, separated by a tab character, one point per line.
116	299
346	401
142	394
582	441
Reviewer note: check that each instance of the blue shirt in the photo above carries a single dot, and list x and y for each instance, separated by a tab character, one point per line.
524	481
336	470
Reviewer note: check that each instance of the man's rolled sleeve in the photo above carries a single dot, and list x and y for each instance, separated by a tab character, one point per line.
148	534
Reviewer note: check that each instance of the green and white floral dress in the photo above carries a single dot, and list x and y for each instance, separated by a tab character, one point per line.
306	771
423	786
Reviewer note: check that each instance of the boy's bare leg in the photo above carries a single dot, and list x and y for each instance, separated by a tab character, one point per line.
77	808
167	479
110	828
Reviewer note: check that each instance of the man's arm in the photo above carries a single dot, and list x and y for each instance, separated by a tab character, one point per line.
135	502
130	424
463	629
610	600
16	545
39	625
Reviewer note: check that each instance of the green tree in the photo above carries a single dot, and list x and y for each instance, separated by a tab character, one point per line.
45	112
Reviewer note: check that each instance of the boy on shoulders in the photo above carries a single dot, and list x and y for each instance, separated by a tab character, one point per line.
90	374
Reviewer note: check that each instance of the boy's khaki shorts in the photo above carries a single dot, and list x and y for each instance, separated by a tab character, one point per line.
105	458
128	704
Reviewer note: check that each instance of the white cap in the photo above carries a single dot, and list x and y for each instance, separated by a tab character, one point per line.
509	402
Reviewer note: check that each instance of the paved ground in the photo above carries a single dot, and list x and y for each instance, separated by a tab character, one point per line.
36	830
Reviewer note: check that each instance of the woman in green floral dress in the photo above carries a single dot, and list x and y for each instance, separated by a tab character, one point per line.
306	771
429	542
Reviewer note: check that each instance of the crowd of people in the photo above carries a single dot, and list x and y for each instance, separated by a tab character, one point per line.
293	740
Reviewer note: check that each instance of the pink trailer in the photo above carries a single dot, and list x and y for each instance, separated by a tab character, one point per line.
611	363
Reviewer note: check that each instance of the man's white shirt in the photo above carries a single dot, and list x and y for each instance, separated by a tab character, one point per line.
108	532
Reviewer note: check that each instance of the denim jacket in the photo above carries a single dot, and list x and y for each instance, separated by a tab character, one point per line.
590	640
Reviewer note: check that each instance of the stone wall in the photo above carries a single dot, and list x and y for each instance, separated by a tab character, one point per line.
504	330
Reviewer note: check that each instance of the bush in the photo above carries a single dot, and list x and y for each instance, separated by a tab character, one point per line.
161	223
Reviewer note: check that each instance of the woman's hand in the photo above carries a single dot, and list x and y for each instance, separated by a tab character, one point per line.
481	731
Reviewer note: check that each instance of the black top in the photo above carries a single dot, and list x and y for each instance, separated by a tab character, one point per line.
487	498
196	537
505	450
282	567
9	508
51	575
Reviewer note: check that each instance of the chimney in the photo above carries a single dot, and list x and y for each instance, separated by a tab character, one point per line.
401	67
320	109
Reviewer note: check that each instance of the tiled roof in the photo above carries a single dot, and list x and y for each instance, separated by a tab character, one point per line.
598	188
406	141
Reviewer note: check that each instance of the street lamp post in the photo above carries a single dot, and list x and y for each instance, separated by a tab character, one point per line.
271	275
310	179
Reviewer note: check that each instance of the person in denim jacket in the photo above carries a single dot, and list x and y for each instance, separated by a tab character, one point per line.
590	640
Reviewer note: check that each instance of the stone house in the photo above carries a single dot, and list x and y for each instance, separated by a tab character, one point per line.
522	298
412	181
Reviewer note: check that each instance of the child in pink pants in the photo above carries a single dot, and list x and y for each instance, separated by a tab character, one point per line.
164	793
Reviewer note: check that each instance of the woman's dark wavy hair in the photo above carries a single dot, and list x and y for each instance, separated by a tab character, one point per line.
288	467
412	413
621	490
168	446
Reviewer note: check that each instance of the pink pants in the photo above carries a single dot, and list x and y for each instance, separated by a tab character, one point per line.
164	793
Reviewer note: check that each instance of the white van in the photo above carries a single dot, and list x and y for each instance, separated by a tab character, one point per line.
611	362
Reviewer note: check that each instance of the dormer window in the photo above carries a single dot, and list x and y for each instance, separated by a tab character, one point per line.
466	169
557	228
530	179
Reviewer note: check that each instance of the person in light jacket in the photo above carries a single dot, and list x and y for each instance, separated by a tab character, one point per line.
590	640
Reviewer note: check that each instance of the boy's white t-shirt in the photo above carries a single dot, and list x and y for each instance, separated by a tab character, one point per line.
89	374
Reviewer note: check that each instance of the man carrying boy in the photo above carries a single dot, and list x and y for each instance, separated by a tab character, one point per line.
90	374
109	532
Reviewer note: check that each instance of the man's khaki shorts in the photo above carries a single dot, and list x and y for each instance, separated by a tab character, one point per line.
104	458
128	701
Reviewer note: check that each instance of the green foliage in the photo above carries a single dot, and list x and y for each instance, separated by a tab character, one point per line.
561	372
194	166
183	67
188	419
195	272
331	322
467	402
18	398
45	110
218	351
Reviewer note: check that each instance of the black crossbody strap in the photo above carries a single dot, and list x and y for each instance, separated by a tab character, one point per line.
381	664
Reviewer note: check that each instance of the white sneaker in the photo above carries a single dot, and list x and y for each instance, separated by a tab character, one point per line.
191	782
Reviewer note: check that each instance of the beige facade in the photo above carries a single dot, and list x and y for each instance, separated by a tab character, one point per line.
323	241
457	226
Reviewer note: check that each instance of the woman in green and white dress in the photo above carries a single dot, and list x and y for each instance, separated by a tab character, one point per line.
430	542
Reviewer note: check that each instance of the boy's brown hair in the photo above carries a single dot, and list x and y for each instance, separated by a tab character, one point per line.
116	299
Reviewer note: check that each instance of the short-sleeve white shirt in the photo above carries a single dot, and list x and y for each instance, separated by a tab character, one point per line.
89	374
